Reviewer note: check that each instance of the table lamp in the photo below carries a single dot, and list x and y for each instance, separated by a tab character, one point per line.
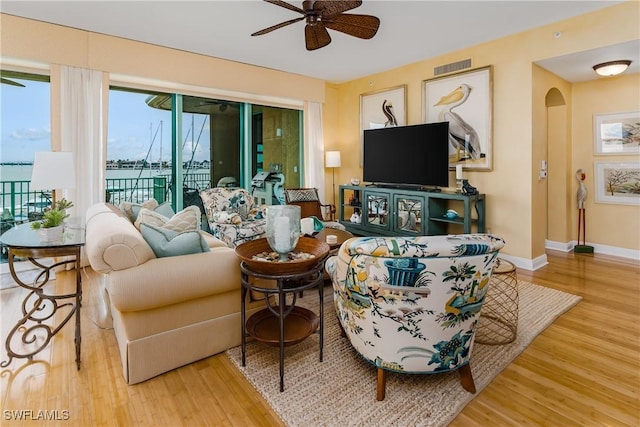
53	170
332	160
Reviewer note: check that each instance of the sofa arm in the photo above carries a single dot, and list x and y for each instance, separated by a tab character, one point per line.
171	280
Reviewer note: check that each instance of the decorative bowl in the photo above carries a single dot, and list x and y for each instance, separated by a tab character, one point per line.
310	245
451	214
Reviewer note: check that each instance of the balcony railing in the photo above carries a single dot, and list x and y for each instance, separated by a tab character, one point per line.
20	204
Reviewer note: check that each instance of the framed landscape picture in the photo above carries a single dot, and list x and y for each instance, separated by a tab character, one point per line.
382	108
465	101
617	133
617	182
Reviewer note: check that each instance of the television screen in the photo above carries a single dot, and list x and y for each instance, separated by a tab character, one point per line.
416	155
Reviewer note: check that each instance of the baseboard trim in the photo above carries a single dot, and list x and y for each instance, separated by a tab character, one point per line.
541	261
597	248
527	264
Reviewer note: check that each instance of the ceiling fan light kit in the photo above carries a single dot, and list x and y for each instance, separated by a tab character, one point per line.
612	68
322	14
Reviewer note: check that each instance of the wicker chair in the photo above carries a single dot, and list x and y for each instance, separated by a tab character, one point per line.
412	304
309	202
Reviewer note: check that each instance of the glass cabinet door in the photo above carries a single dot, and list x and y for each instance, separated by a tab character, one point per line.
377	210
409	214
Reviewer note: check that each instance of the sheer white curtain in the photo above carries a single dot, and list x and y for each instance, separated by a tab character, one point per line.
82	131
313	147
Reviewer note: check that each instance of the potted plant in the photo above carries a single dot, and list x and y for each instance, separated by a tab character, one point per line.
51	226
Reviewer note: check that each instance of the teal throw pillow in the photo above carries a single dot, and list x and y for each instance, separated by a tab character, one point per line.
166	243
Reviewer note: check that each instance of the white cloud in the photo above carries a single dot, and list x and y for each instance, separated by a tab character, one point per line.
30	134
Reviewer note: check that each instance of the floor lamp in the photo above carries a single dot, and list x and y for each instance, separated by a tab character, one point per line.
52	170
332	160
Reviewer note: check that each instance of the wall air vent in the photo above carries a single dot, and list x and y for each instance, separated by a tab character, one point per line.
454	66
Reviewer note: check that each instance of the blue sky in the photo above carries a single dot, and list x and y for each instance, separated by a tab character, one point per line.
25	126
24	120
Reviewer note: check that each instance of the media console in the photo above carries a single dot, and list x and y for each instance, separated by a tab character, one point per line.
385	211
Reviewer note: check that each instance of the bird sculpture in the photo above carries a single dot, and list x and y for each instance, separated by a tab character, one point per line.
387	109
462	136
582	189
582	247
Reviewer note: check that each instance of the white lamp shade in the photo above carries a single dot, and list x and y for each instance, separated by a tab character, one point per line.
332	159
53	170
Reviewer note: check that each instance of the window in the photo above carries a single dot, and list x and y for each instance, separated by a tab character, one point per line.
25	117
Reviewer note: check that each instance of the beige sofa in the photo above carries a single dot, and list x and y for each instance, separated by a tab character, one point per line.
166	312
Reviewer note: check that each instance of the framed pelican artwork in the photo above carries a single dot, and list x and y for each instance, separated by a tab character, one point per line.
382	108
465	100
617	133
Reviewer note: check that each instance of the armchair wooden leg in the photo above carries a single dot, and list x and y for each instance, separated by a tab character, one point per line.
466	378
382	384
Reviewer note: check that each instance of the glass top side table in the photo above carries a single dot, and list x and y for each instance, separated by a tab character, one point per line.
38	306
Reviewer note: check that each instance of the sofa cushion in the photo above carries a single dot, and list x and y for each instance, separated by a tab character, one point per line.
165	242
164	209
188	219
127	207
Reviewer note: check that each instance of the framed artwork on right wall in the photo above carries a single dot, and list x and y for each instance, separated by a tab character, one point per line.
617	182
617	133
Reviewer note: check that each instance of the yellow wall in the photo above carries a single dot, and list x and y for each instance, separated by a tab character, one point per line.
607	224
511	188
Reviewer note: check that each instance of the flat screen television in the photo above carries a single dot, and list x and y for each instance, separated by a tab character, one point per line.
411	156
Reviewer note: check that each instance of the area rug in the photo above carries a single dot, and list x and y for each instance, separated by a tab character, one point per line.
341	390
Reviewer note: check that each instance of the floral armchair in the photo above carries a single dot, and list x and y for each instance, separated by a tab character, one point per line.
233	216
412	304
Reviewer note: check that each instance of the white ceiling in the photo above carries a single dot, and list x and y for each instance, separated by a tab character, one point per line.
409	31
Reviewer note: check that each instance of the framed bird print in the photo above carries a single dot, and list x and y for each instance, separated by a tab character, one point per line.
382	108
617	182
464	100
617	133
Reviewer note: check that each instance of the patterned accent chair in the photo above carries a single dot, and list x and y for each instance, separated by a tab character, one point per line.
309	202
233	215
412	304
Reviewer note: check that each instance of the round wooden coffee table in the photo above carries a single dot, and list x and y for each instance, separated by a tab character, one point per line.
341	235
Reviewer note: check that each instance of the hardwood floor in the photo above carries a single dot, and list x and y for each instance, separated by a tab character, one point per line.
584	370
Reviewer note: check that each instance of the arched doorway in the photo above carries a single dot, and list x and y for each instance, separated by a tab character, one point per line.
559	169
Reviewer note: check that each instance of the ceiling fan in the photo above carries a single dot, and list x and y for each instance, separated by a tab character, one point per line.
323	14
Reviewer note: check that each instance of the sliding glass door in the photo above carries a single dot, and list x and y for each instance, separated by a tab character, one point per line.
193	143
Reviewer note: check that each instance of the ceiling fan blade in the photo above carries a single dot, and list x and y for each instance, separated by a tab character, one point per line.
275	27
316	36
362	26
285	5
10	82
328	8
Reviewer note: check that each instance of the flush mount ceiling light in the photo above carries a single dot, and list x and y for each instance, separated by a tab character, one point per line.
612	68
